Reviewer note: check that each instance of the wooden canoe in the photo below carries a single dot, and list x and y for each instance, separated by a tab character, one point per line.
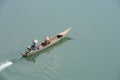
42	45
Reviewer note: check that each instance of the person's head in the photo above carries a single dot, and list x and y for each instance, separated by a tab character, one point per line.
47	38
35	41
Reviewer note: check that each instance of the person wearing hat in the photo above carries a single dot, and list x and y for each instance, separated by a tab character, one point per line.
47	40
34	46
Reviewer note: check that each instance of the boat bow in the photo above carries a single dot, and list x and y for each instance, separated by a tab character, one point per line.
65	32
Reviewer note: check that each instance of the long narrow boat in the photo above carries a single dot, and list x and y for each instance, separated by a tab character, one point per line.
53	40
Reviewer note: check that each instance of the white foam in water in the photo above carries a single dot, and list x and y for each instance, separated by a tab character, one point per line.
5	65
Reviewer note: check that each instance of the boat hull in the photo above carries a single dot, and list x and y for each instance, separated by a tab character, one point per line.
53	40
36	51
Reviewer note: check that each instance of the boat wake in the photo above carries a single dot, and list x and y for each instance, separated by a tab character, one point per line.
5	65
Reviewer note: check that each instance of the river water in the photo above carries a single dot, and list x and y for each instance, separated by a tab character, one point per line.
91	51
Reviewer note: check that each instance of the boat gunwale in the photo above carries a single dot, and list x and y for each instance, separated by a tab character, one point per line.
44	47
38	50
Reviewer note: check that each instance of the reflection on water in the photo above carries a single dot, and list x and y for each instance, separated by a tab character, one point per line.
33	57
50	68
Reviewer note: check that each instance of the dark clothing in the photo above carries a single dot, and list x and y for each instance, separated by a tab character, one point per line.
34	46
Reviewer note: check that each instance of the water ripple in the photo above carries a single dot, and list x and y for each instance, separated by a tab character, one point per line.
49	69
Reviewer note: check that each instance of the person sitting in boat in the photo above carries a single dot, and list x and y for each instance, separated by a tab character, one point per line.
34	46
47	40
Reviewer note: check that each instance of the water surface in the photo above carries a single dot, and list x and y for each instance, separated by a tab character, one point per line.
92	53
